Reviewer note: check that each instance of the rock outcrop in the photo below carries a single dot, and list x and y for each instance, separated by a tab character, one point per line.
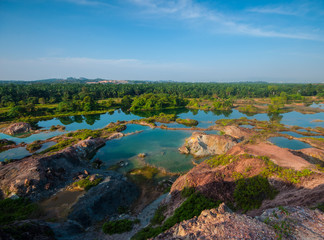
201	144
17	128
103	200
238	132
28	230
222	223
39	176
219	223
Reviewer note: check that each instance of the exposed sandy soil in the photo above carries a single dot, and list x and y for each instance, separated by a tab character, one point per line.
280	156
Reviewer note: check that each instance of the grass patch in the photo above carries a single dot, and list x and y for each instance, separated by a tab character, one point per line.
144	174
250	192
59	146
159	217
191	207
118	226
17	209
286	174
187	122
86	184
222	159
34	146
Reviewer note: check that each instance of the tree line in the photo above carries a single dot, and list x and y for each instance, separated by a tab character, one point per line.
44	93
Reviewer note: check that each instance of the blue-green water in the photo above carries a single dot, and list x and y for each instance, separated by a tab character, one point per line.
21	152
31	138
287	143
14	153
160	145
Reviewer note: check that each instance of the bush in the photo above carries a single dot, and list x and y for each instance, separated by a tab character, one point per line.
158	217
250	192
86	184
118	226
222	159
187	122
193	206
17	209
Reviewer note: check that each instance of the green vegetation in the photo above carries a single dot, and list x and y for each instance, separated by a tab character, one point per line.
152	101
248	109
34	146
191	207
222	159
86	184
282	228
187	122
223	104
118	226
17	209
144	174
59	146
23	231
34	100
320	206
250	192
286	174
158	217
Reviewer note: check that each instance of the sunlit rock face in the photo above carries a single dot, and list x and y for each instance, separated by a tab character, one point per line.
201	144
17	128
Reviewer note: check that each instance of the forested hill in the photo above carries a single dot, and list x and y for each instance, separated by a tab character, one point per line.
57	92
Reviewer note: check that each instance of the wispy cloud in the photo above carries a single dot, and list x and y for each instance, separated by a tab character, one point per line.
188	9
292	10
88	2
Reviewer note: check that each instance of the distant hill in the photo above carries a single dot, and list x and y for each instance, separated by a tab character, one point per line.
76	80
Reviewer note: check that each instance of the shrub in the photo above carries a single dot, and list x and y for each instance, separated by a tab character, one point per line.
158	217
193	206
86	184
17	209
187	191
222	159
250	192
187	122
118	226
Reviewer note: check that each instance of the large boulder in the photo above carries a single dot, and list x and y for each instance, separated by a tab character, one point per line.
103	200
238	132
201	144
40	176
219	223
222	223
17	128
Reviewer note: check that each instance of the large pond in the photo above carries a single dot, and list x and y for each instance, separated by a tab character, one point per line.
159	145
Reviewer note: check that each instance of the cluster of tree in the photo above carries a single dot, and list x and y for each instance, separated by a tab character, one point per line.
223	104
87	104
13	93
152	101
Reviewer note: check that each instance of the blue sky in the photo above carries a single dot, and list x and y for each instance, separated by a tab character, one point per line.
181	40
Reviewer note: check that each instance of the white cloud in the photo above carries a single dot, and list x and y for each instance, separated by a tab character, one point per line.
281	10
188	9
88	2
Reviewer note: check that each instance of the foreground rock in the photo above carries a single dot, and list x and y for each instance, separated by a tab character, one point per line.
219	223
201	144
103	200
40	176
222	223
27	230
17	128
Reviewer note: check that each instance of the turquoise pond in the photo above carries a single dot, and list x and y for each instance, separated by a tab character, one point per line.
289	143
159	145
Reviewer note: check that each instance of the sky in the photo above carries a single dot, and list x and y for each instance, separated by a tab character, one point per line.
179	40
